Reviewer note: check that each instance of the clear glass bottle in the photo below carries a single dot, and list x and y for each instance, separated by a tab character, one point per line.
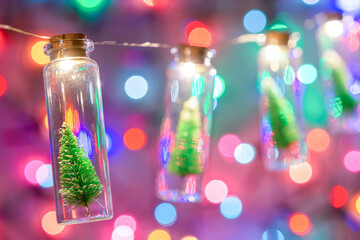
77	132
338	41
281	95
186	126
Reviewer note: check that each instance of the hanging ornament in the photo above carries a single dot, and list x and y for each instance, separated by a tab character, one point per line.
74	108
186	126
338	40
281	94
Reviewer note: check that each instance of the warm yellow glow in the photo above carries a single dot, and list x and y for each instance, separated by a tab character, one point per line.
357	204
37	53
272	53
159	235
50	225
189	238
66	65
334	28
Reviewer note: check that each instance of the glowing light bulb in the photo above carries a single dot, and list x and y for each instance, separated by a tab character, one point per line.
188	69
273	53
66	65
334	28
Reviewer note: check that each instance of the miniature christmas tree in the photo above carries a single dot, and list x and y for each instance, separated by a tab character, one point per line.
185	158
334	62
282	119
80	186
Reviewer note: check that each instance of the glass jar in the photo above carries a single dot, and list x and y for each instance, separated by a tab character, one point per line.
338	41
77	132
186	125
280	97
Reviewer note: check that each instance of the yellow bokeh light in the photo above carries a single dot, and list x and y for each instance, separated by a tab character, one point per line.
50	225
357	204
159	235
189	238
37	53
300	173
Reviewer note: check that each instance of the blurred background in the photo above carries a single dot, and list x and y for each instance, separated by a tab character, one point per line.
319	200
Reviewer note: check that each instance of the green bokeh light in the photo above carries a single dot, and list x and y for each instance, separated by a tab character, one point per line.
89	3
289	75
307	73
219	87
90	9
314	107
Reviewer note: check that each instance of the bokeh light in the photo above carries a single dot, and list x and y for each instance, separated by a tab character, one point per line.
89	4
109	143
159	235
192	25
188	237
219	87
85	141
300	173
134	139
44	176
318	140
227	145
334	28
254	21
244	153
31	169
338	196
231	207
348	5
3	85
272	234
216	191
50	225
155	3
37	53
46	122
310	2
299	224
122	233
165	214
136	87
307	73
125	220
357	204
352	161
200	37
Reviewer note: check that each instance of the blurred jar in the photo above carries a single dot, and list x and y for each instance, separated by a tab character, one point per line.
280	103
77	132
339	42
186	125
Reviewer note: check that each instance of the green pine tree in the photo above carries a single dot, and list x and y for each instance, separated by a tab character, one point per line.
282	119
185	158
80	186
336	64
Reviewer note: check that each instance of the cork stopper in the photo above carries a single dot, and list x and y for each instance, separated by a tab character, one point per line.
68	45
192	53
277	38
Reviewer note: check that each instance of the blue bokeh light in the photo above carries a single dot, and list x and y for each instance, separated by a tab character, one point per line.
244	153
85	141
165	214
310	2
136	87
348	5
231	207
272	234
254	21
44	176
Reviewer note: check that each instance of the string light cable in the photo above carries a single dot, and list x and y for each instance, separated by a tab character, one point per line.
244	38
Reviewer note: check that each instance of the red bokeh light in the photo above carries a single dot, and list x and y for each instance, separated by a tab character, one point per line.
155	3
227	145
200	37
192	25
338	196
134	139
3	85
